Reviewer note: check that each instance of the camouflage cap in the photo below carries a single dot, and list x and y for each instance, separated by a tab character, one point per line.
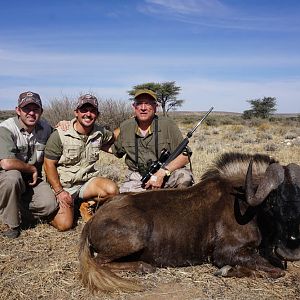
147	92
29	97
87	99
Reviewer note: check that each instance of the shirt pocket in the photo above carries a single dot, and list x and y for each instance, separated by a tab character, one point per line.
72	154
129	149
164	144
93	153
40	149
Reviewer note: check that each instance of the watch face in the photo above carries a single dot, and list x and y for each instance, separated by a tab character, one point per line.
168	173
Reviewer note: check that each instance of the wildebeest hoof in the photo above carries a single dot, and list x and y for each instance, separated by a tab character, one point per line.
277	273
146	268
223	271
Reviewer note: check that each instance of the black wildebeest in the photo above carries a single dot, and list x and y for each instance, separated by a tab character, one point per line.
243	216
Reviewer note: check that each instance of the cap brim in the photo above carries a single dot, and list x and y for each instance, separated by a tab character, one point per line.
143	93
29	101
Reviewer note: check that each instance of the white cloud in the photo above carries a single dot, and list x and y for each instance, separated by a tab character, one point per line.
188	7
220	14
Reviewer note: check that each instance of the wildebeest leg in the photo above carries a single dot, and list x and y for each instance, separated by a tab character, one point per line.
135	266
247	262
120	239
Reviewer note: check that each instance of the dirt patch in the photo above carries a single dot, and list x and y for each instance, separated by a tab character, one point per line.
43	264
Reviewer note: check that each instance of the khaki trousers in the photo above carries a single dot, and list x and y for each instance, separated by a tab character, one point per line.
18	200
180	178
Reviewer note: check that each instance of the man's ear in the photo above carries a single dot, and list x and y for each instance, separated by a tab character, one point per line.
18	110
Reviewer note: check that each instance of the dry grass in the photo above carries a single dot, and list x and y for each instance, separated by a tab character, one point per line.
43	264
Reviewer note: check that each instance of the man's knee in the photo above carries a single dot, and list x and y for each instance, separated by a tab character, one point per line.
112	189
107	187
63	225
13	180
44	201
185	180
63	219
181	178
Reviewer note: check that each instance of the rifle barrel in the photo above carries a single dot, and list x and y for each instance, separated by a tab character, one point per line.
202	119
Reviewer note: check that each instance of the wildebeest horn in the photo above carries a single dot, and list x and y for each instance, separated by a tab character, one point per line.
294	171
273	177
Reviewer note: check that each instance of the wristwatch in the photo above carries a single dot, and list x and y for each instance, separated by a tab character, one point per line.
168	173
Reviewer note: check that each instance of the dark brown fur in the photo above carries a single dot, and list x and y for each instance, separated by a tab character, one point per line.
175	227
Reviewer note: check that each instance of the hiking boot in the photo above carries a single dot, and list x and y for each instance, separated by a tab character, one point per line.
11	233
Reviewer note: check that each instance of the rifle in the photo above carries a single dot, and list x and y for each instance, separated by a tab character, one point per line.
166	156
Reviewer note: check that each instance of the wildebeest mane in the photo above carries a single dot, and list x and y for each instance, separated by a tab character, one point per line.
233	167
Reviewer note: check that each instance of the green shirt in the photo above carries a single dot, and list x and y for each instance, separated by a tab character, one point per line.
169	137
16	142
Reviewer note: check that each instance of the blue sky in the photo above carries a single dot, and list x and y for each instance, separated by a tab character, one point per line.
220	52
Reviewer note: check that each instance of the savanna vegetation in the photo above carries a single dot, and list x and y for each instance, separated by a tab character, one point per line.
43	264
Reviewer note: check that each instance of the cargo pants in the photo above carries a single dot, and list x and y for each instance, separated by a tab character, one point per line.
19	200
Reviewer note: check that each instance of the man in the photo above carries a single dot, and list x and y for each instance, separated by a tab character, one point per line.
142	138
70	160
22	142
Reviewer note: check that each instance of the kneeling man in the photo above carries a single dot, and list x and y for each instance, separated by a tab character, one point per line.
70	158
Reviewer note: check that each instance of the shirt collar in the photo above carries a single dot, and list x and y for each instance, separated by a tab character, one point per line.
22	128
150	129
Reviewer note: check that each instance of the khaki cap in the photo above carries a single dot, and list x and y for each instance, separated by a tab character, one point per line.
147	92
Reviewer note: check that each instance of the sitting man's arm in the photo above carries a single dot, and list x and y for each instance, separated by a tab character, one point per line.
16	164
53	152
175	136
8	159
63	220
108	141
179	162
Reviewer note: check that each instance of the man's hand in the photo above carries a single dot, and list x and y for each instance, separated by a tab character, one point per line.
17	164
156	181
34	176
64	199
63	125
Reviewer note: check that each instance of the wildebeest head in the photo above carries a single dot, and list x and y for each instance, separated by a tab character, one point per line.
278	194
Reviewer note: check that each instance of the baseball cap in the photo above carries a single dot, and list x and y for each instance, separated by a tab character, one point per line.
87	98
29	97
145	91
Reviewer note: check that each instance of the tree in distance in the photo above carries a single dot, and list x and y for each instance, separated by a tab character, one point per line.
260	108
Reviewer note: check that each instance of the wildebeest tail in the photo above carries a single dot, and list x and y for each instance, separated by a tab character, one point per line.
97	277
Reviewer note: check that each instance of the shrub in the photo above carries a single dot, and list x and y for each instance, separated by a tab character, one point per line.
263	126
290	135
58	110
5	114
112	112
270	147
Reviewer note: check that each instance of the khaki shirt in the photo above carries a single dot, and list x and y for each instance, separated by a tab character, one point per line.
16	142
76	154
169	137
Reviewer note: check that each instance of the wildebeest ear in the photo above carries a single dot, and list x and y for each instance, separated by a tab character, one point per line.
294	172
272	178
